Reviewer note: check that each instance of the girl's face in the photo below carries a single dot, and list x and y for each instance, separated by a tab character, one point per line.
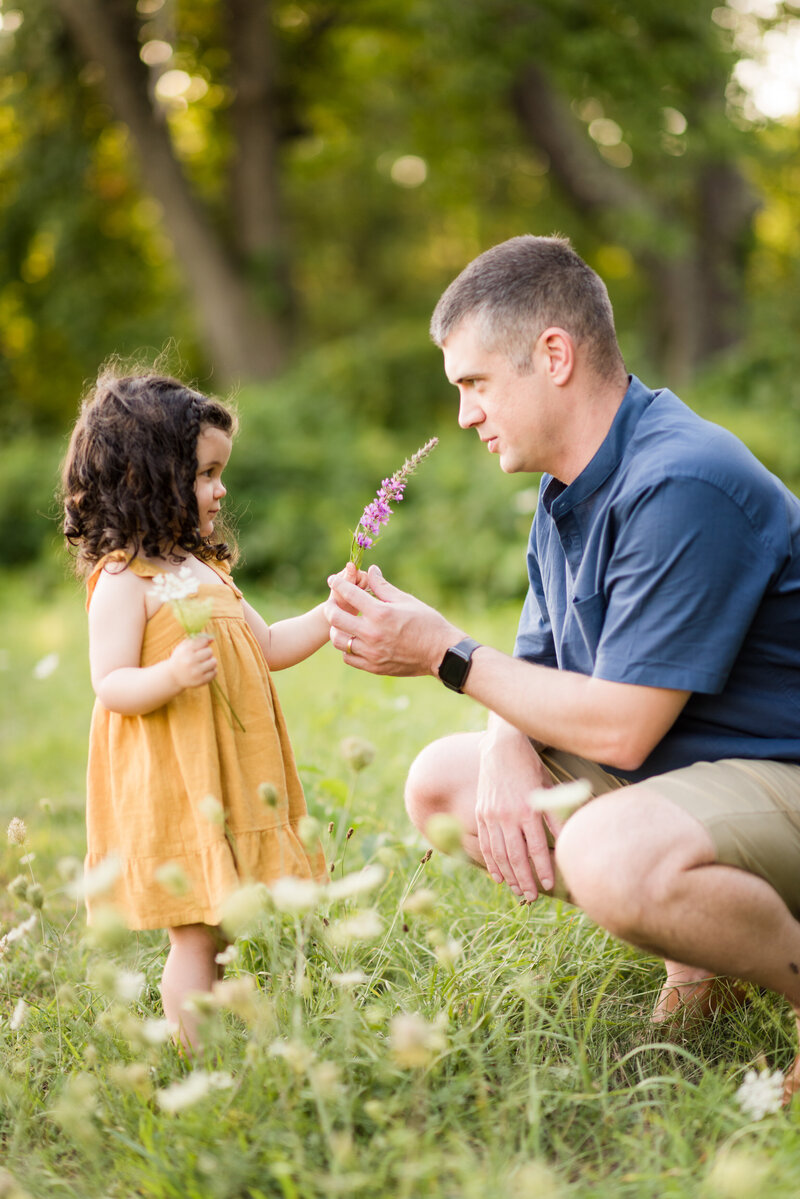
213	452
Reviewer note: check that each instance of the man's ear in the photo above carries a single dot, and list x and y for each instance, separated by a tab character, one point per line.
557	351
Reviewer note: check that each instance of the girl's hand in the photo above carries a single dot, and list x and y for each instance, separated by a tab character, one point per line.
350	574
192	662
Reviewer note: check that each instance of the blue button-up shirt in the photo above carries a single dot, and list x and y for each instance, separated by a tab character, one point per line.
673	560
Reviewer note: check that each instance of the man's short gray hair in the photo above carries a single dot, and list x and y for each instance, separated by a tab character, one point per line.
521	287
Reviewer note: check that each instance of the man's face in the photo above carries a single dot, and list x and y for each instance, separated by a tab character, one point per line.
512	413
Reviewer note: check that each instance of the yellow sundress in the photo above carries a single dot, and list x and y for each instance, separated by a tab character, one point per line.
148	777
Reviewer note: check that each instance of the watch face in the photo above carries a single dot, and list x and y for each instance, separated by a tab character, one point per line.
454	669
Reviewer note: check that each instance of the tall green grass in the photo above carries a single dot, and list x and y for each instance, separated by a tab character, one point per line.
530	1069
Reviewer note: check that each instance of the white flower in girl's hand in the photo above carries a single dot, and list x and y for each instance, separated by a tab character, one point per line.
169	585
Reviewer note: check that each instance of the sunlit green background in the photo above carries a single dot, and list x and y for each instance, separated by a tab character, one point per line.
273	195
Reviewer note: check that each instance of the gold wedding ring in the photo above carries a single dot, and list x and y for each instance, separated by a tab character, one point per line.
350	646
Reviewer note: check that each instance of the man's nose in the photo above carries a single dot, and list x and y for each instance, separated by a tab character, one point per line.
469	411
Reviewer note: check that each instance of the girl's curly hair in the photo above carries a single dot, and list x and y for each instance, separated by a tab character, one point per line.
129	473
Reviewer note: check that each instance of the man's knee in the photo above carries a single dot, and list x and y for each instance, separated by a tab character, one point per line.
440	776
624	856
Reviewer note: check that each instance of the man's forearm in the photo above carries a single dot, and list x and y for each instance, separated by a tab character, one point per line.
614	723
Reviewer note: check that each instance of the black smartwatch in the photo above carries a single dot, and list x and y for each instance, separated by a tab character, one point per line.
454	666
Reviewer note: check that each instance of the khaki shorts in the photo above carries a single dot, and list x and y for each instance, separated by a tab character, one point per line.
750	808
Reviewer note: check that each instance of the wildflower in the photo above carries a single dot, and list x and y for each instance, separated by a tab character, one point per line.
561	798
360	882
761	1093
295	894
297	1056
18	887
173	878
414	1041
445	832
226	956
242	909
135	1077
362	926
533	1180
237	995
268	794
156	1032
738	1174
129	985
46	666
21	931
69	868
19	1015
179	590
98	879
350	978
420	903
17	831
377	512
448	953
308	830
210	807
192	1089
35	896
357	752
108	930
326	1079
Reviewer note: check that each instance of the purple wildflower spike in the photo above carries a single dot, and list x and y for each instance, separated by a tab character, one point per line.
377	512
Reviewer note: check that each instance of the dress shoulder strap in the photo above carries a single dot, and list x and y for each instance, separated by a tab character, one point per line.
145	570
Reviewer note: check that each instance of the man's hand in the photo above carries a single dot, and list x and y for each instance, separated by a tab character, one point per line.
511	835
393	633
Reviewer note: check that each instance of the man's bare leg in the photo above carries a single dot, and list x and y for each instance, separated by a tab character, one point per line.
444	778
644	869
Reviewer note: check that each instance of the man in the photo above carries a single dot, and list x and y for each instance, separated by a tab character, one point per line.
658	652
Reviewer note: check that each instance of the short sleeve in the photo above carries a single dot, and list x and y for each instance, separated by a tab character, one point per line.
688	572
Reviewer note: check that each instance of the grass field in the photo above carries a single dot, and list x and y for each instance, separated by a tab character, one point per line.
429	1037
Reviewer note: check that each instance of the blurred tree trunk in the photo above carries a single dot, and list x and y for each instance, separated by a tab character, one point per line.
244	338
695	265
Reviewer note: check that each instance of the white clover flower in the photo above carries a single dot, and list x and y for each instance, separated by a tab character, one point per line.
17	831
242	908
173	878
360	882
309	830
238	995
98	879
297	1056
174	585
295	894
157	1032
420	903
357	752
445	832
128	985
192	1089
226	956
21	931
210	807
761	1093
361	926
326	1079
349	978
414	1041
561	798
46	666
449	953
19	1015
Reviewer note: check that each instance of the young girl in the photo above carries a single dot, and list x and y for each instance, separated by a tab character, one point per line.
143	490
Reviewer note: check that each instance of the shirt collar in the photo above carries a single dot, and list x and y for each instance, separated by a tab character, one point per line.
559	499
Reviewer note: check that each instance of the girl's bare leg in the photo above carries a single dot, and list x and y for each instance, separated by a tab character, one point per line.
190	967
